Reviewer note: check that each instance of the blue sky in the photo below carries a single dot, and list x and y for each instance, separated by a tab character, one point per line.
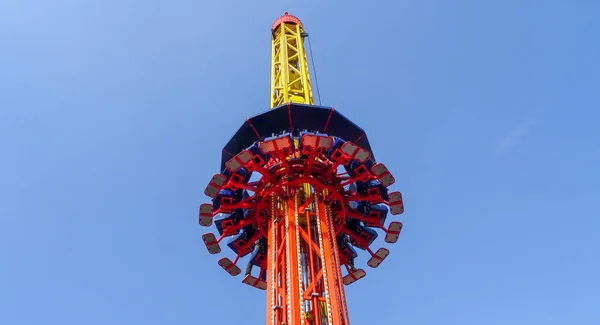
113	114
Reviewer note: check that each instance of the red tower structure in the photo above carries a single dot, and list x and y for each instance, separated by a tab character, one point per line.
299	190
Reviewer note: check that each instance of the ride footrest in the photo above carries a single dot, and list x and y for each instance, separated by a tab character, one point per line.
395	202
238	161
228	266
383	174
314	143
281	145
354	276
379	256
393	232
206	214
211	243
254	282
214	186
355	152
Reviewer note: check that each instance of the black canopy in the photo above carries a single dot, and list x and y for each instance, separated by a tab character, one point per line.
293	117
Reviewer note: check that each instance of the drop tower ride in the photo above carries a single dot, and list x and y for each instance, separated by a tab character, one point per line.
299	191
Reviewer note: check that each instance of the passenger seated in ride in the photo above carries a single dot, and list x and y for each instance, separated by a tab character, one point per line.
278	145
337	144
239	241
311	142
227	196
258	257
372	187
360	236
301	195
336	209
241	176
347	253
301	147
255	150
226	221
354	164
377	213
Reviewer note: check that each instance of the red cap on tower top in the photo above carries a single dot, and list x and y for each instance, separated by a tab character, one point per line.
286	18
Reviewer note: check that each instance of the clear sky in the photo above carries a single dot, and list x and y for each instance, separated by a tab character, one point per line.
113	114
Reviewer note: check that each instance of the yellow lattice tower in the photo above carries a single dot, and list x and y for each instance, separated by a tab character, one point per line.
290	76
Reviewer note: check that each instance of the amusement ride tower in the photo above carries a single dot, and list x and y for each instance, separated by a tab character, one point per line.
299	190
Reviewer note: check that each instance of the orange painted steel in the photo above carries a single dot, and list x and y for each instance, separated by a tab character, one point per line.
305	285
301	218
